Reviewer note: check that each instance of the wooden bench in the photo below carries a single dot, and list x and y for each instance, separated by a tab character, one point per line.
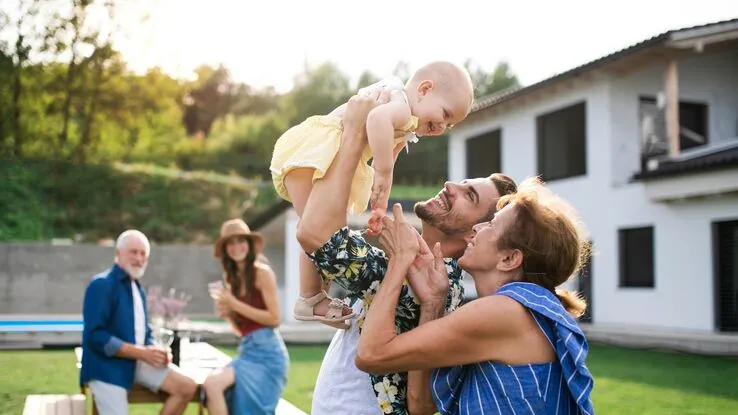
139	394
198	361
54	405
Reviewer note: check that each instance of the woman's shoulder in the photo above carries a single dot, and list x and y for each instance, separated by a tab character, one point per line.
541	301
263	270
531	296
497	312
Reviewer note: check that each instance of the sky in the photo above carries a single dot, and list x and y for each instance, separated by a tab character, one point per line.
269	42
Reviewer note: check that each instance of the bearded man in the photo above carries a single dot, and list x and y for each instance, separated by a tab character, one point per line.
117	346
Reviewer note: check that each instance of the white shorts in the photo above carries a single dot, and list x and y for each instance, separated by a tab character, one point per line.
113	399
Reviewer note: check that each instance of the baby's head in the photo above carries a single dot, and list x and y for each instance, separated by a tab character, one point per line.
440	95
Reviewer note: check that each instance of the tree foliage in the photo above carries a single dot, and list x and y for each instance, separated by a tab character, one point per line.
68	96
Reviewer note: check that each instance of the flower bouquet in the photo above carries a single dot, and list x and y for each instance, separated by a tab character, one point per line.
166	310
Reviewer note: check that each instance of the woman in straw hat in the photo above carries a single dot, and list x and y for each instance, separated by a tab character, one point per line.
249	301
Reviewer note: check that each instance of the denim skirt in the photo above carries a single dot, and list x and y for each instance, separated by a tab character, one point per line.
260	371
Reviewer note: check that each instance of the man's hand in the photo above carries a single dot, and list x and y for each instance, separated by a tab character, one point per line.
398	238
357	109
428	275
154	355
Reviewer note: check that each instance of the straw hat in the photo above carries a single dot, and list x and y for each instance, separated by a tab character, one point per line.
237	227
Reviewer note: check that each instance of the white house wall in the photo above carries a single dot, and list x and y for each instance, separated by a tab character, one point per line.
708	78
519	134
683	293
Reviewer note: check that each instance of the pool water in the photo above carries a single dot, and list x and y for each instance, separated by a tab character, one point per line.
37	326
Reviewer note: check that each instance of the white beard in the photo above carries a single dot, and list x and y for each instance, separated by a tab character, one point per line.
136	272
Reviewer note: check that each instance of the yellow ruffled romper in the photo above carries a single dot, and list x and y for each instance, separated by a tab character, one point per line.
313	144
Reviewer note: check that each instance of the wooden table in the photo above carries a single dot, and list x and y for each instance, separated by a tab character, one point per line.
197	360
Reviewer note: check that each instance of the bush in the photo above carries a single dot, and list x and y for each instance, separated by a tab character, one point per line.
41	200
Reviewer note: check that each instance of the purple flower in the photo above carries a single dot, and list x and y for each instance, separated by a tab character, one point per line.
168	308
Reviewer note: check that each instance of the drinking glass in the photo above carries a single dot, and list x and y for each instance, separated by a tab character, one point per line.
214	287
163	337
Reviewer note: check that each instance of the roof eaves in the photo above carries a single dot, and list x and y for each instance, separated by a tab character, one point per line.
268	214
701	30
572	72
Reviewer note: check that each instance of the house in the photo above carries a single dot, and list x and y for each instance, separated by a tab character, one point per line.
644	142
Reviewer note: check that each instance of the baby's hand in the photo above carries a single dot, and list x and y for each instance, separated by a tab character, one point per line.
375	223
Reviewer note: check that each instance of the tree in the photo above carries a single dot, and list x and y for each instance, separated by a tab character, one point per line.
210	99
249	100
365	79
318	90
486	83
13	60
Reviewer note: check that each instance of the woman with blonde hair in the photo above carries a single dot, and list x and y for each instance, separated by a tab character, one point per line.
254	380
515	349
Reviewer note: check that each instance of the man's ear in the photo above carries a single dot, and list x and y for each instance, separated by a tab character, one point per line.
512	259
424	87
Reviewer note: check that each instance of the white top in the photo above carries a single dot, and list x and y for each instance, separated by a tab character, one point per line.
391	83
341	388
139	318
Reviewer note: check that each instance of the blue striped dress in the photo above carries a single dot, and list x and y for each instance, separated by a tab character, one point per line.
560	387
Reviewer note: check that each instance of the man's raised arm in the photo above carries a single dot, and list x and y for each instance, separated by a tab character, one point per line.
325	211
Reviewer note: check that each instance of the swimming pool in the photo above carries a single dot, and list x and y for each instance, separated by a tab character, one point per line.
41	326
75	325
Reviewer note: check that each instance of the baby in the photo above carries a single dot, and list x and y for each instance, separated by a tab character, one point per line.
436	97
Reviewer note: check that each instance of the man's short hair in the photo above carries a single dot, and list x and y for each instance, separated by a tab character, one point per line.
132	233
505	185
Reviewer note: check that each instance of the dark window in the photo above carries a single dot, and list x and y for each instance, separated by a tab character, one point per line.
637	257
725	248
693	125
693	131
483	154
562	143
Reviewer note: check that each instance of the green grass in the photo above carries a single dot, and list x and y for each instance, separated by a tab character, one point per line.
651	383
626	381
40	372
413	192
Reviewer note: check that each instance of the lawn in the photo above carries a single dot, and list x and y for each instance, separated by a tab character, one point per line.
36	372
626	381
414	192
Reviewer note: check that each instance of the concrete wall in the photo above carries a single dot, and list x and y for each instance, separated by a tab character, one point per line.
48	279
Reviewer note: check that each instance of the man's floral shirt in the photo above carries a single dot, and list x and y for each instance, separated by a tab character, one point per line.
348	260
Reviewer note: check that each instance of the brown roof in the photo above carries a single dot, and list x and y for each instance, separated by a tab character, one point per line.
715	160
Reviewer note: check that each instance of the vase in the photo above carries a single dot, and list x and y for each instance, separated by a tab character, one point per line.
175	347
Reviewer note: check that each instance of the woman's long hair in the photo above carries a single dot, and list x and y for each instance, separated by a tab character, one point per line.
240	284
